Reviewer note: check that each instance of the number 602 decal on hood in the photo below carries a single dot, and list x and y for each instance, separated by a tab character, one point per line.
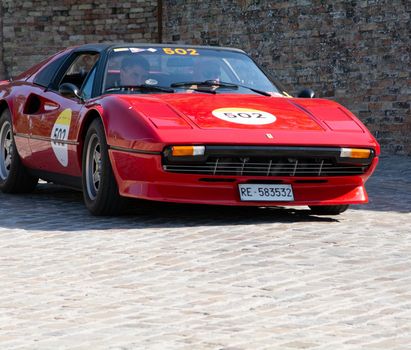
59	134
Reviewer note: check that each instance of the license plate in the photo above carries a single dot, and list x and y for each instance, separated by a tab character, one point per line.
266	192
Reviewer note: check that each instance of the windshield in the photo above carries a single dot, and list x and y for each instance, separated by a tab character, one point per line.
179	68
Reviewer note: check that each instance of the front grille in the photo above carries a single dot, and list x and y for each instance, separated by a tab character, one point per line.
267	161
275	166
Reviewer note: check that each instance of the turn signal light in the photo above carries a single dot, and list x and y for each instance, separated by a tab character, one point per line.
184	151
358	153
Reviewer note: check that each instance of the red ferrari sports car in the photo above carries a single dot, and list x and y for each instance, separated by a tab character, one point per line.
178	123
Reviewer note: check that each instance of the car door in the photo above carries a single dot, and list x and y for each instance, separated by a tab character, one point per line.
53	130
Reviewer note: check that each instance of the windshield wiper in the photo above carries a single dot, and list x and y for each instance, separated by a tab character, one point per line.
140	87
219	84
208	83
194	85
261	92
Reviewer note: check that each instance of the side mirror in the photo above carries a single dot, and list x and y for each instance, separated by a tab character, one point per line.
69	90
306	93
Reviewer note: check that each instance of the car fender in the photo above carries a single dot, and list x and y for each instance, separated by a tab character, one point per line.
124	127
5	99
7	103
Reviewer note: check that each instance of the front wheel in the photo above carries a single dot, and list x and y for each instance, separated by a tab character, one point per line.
14	177
328	209
100	189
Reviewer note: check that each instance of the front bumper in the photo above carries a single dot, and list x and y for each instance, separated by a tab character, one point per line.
142	176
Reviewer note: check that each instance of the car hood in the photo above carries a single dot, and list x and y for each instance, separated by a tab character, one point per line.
157	120
251	112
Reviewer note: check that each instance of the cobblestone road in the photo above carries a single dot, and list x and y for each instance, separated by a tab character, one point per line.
181	277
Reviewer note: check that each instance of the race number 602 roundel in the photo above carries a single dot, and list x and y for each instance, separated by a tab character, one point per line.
245	116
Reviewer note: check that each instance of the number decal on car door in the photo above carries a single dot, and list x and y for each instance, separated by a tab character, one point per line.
59	134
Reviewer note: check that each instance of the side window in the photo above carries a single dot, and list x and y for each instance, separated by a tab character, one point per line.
44	77
79	69
88	85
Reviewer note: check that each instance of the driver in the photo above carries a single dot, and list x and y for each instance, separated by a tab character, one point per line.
134	70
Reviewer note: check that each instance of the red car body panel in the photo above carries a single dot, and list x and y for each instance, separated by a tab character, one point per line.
187	119
139	127
135	174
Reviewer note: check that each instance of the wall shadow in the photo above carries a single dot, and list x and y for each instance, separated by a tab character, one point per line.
53	208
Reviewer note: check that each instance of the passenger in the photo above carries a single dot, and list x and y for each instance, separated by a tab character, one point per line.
208	69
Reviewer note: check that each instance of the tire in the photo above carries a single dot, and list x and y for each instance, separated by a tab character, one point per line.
328	209
14	176
100	190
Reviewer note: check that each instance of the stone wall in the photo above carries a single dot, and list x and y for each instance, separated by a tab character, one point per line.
356	52
2	68
33	29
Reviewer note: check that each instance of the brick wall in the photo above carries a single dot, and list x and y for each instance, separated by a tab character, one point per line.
34	29
356	52
2	68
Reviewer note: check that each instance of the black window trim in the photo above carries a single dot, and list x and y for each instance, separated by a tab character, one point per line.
95	67
100	74
53	86
65	56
